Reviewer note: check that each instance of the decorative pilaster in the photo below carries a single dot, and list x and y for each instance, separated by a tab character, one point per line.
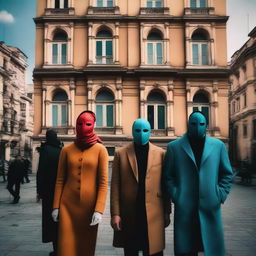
142	99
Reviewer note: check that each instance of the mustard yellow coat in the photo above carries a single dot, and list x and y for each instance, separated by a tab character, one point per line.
81	189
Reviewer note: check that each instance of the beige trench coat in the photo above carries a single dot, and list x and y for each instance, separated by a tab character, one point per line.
124	188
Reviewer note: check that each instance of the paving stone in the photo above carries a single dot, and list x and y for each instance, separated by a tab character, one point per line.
20	225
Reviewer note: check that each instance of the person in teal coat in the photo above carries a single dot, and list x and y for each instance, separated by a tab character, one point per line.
197	175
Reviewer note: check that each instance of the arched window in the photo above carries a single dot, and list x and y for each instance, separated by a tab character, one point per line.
59	47
59	108
104	47
201	103
105	3
156	108
200	47
105	109
198	3
154	4
155	48
61	3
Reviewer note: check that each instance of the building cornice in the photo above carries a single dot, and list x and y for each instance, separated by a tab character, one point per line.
233	94
240	116
124	18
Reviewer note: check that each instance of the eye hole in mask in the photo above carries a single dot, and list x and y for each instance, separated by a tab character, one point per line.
88	124
145	130
202	124
138	130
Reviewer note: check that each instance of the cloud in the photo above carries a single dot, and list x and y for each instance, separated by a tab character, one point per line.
6	17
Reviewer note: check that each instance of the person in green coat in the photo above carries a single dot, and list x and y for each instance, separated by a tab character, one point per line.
197	175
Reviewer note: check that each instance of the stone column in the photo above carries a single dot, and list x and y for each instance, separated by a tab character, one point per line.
170	110
116	46
72	88
89	95
142	99
90	44
167	57
142	44
188	46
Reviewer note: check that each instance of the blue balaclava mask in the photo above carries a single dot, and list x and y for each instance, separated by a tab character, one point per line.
141	131
197	126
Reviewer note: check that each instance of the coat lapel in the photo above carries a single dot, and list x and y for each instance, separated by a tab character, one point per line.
132	160
207	150
187	148
150	156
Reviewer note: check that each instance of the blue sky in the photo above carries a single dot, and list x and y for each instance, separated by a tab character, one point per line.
17	27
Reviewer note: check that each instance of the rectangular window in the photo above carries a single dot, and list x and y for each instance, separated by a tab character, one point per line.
63	54
54	115
193	4
105	115
104	52
104	3
254	129
151	116
99	3
155	53
63	115
198	3
99	114
55	54
195	54
161	117
154	4
110	121
245	130
238	104
204	54
111	151
245	100
109	3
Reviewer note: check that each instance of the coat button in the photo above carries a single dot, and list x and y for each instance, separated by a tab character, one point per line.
80	159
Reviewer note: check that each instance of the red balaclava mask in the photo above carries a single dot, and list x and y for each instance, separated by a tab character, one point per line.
85	136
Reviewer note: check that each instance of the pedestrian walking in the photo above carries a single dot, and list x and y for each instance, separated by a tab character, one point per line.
27	165
2	169
198	178
46	179
15	176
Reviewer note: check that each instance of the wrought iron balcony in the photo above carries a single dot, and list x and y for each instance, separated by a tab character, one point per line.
154	11
199	11
59	11
103	10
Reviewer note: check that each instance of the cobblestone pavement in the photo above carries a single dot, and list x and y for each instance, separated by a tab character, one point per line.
20	225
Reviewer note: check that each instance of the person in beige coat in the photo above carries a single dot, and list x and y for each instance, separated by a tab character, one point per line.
139	213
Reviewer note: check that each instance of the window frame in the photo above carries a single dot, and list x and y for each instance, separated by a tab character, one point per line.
62	4
153	2
155	105
198	4
59	55
104	114
104	58
59	105
154	53
105	3
200	54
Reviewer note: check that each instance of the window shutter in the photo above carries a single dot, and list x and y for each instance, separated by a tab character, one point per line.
193	3
149	4
195	54
159	51
203	3
150	53
98	48
205	54
205	111
109	48
63	115
161	117
54	115
99	119
151	116
99	3
65	3
54	54
109	3
64	54
57	3
158	4
110	117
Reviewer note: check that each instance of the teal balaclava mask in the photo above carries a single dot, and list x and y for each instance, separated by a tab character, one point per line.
197	126
141	131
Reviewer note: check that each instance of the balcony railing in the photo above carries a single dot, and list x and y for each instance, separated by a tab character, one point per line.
154	11
199	11
103	10
59	11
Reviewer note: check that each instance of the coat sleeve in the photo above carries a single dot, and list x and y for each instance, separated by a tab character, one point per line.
115	187
169	173
102	181
61	177
225	174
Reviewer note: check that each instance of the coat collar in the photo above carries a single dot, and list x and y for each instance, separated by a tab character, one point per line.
133	161
187	148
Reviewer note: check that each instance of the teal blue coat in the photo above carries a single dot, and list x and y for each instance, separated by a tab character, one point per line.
202	190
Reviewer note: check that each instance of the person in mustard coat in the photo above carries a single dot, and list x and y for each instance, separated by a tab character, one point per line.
138	210
81	190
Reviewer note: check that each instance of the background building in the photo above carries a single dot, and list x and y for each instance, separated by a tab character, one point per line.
158	60
16	110
242	101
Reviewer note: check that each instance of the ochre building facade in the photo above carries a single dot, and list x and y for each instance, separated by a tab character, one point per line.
157	60
242	101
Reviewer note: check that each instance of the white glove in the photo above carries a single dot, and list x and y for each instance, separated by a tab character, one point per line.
96	218
55	215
